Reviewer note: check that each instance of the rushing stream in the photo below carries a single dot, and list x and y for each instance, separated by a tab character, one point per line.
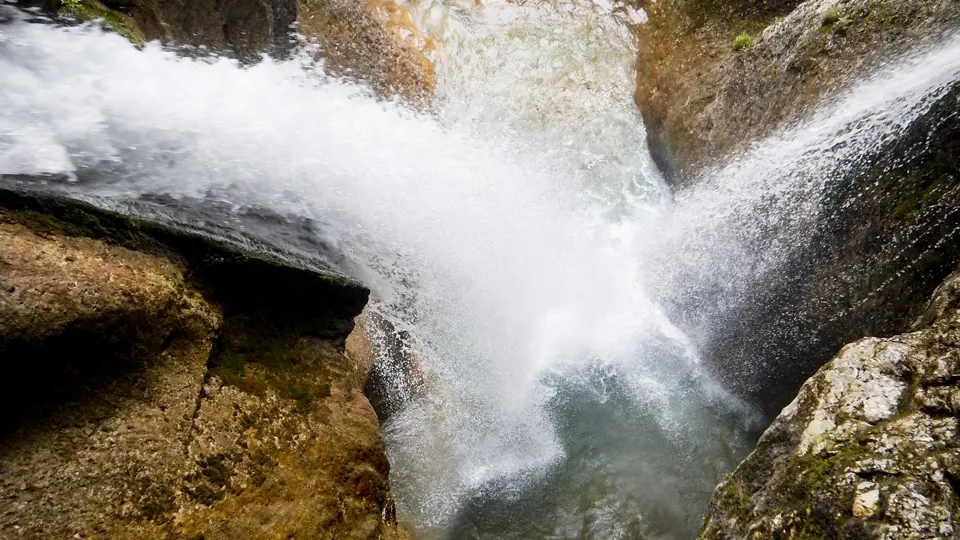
518	234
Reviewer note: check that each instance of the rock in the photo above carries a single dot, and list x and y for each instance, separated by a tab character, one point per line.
371	41
886	237
886	233
867	501
394	371
151	392
110	19
702	101
868	449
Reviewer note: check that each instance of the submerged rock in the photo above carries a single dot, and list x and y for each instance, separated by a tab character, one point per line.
868	449
160	384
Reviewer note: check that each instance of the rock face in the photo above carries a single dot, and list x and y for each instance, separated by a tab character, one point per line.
887	232
370	41
703	100
868	449
887	236
161	385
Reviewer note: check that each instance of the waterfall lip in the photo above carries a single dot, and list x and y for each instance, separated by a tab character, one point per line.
37	191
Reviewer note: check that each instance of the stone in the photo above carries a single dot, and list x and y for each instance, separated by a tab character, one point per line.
884	234
703	102
868	448
153	394
373	42
867	500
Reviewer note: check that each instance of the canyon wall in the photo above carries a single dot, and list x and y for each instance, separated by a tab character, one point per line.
371	41
716	78
868	449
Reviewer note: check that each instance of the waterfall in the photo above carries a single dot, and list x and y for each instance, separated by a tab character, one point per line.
517	232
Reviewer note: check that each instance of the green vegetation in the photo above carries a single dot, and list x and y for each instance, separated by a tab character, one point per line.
93	10
742	41
832	21
256	361
831	17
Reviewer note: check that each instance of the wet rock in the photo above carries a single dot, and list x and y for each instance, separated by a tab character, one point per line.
886	237
868	449
151	392
394	377
374	41
703	101
886	234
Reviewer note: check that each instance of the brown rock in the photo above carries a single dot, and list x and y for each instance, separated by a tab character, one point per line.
702	100
154	394
885	233
373	41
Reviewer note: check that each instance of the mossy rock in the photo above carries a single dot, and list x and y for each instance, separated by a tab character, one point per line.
114	21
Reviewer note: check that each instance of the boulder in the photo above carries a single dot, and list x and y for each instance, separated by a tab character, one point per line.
868	449
163	384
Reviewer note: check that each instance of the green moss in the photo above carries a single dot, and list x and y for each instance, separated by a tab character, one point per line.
92	10
814	469
730	491
254	356
742	41
831	17
930	194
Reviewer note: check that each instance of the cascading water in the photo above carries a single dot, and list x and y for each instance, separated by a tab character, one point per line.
518	234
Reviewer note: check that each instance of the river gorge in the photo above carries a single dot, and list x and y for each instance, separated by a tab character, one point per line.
583	312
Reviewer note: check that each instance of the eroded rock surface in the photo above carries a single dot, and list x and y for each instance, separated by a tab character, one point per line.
885	232
702	100
868	449
159	385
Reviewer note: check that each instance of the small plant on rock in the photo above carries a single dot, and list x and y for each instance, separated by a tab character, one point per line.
742	41
830	17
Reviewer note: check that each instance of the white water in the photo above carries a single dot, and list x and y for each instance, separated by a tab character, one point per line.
519	233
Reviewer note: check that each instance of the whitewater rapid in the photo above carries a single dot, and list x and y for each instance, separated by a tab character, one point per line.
517	233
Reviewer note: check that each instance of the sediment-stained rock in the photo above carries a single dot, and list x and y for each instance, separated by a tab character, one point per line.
702	99
885	233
